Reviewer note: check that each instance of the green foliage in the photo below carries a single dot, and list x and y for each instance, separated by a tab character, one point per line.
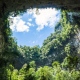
63	75
70	62
56	72
55	64
27	73
22	72
75	74
14	75
30	53
32	64
44	73
67	48
61	42
6	71
30	74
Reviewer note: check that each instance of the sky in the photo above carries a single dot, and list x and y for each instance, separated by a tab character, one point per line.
34	26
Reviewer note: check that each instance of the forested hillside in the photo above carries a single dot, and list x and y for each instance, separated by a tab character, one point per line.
57	59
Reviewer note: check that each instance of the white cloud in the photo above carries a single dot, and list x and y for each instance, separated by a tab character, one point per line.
21	27
44	17
30	20
29	24
18	24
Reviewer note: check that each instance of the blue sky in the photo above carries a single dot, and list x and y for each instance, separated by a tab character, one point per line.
34	26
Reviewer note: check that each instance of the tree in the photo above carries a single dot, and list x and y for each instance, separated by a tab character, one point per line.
44	73
14	75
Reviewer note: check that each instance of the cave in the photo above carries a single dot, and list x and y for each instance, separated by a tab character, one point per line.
19	6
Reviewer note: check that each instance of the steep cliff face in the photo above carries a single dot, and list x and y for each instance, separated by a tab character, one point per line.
1	42
1	38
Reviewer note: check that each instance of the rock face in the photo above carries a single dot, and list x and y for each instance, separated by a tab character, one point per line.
1	40
7	6
1	43
12	5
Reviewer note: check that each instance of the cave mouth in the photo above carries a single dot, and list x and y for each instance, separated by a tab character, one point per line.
34	26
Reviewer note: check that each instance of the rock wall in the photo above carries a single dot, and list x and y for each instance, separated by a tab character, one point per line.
12	5
1	43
